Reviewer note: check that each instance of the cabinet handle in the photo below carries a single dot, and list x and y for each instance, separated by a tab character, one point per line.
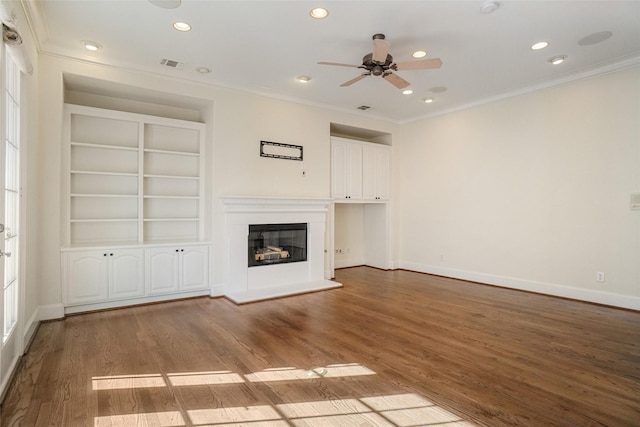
110	254
104	254
177	250
7	254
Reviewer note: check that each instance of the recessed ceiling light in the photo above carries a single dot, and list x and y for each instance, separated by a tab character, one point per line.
182	26
427	100
92	46
319	13
539	45
557	59
203	70
303	79
489	6
407	92
419	54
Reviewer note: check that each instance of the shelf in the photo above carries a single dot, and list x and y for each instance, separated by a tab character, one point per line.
104	220
98	195
172	176
170	219
174	153
104	146
106	173
172	197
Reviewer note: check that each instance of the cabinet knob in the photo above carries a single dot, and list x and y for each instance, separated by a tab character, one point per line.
110	254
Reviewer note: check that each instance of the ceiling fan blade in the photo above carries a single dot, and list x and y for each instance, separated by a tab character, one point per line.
380	50
423	64
396	80
338	64
355	79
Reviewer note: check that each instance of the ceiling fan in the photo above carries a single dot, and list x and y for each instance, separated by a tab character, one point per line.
380	63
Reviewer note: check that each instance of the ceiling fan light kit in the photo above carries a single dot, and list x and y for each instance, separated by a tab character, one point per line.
380	63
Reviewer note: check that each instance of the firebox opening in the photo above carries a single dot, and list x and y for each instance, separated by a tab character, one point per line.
277	243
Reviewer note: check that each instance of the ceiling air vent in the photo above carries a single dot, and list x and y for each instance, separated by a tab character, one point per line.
363	107
172	64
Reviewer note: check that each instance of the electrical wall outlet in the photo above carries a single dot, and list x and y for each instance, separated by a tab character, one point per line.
600	276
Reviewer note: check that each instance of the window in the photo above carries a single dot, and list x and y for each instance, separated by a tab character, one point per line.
11	195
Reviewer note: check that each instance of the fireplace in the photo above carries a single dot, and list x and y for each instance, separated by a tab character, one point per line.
275	247
277	244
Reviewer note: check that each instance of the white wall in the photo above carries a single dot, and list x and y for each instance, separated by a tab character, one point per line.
237	122
530	192
349	234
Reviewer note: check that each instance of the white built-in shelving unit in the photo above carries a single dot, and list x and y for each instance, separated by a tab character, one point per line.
133	178
134	181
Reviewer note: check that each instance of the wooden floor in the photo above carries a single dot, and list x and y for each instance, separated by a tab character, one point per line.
389	349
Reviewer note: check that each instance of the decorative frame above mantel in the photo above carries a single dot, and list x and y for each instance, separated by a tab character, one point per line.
277	150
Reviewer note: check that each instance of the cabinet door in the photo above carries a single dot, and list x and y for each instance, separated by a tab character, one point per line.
161	270
86	278
338	170
369	178
346	170
126	273
383	173
354	174
376	173
194	273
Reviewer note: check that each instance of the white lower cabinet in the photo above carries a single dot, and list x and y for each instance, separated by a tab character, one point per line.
176	269
112	277
101	275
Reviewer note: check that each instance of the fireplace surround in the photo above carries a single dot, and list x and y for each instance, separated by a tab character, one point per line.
277	227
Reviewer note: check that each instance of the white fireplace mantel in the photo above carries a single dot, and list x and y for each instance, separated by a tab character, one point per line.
248	284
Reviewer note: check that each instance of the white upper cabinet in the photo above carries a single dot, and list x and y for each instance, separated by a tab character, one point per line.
346	171
360	171
375	177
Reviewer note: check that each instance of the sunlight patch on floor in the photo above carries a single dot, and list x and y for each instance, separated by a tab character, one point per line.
330	371
115	382
156	419
393	410
204	378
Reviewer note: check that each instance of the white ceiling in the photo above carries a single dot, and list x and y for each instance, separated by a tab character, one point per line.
261	46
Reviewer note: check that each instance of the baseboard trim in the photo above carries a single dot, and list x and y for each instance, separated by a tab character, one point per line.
50	312
553	289
217	291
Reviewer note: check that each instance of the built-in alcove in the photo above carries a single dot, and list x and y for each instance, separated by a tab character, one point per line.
360	230
93	92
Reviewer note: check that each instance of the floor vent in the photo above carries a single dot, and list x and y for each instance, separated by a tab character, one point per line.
363	107
172	64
